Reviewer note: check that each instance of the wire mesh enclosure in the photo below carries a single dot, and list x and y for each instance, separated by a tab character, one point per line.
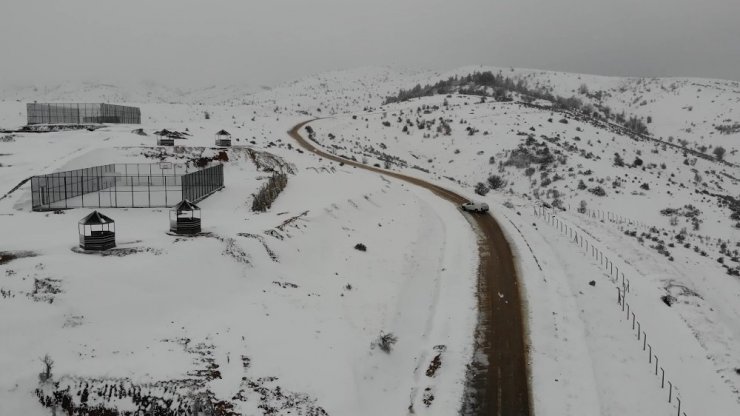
125	186
81	113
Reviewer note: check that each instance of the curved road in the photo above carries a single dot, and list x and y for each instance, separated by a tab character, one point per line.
502	387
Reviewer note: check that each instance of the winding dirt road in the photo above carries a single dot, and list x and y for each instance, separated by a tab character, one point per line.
500	387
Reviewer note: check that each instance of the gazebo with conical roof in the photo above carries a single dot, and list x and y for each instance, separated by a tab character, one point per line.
97	232
164	138
185	218
223	138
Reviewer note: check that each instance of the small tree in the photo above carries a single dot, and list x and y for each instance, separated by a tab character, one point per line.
582	207
719	152
618	161
48	366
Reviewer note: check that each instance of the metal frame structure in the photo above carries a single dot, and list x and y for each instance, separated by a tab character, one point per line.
125	186
81	113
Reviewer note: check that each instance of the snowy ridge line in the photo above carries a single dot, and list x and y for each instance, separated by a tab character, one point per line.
567	230
625	131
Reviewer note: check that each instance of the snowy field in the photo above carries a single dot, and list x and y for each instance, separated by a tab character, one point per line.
677	242
280	301
279	311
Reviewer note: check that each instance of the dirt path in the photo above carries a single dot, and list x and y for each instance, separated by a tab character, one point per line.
501	388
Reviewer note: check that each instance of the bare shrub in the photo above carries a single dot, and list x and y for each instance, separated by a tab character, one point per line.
496	182
385	342
48	366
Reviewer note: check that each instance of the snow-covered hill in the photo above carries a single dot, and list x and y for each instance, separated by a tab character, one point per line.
172	308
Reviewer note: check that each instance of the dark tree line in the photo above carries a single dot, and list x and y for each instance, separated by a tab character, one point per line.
479	83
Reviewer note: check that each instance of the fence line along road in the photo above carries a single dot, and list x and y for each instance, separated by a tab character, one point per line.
587	248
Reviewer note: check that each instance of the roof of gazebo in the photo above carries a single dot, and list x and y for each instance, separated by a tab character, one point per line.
223	133
184	206
96	218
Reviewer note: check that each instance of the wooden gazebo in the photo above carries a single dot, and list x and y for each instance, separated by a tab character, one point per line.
223	138
97	232
164	139
185	218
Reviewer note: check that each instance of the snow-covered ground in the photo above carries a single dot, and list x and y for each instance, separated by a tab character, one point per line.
689	255
255	299
298	302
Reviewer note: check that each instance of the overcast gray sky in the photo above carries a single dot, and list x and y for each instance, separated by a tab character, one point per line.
263	42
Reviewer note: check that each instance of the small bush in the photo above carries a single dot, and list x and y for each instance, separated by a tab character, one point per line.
582	207
385	342
495	182
598	191
719	152
481	189
360	247
618	161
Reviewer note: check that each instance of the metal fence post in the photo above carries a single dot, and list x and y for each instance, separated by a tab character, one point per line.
679	406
